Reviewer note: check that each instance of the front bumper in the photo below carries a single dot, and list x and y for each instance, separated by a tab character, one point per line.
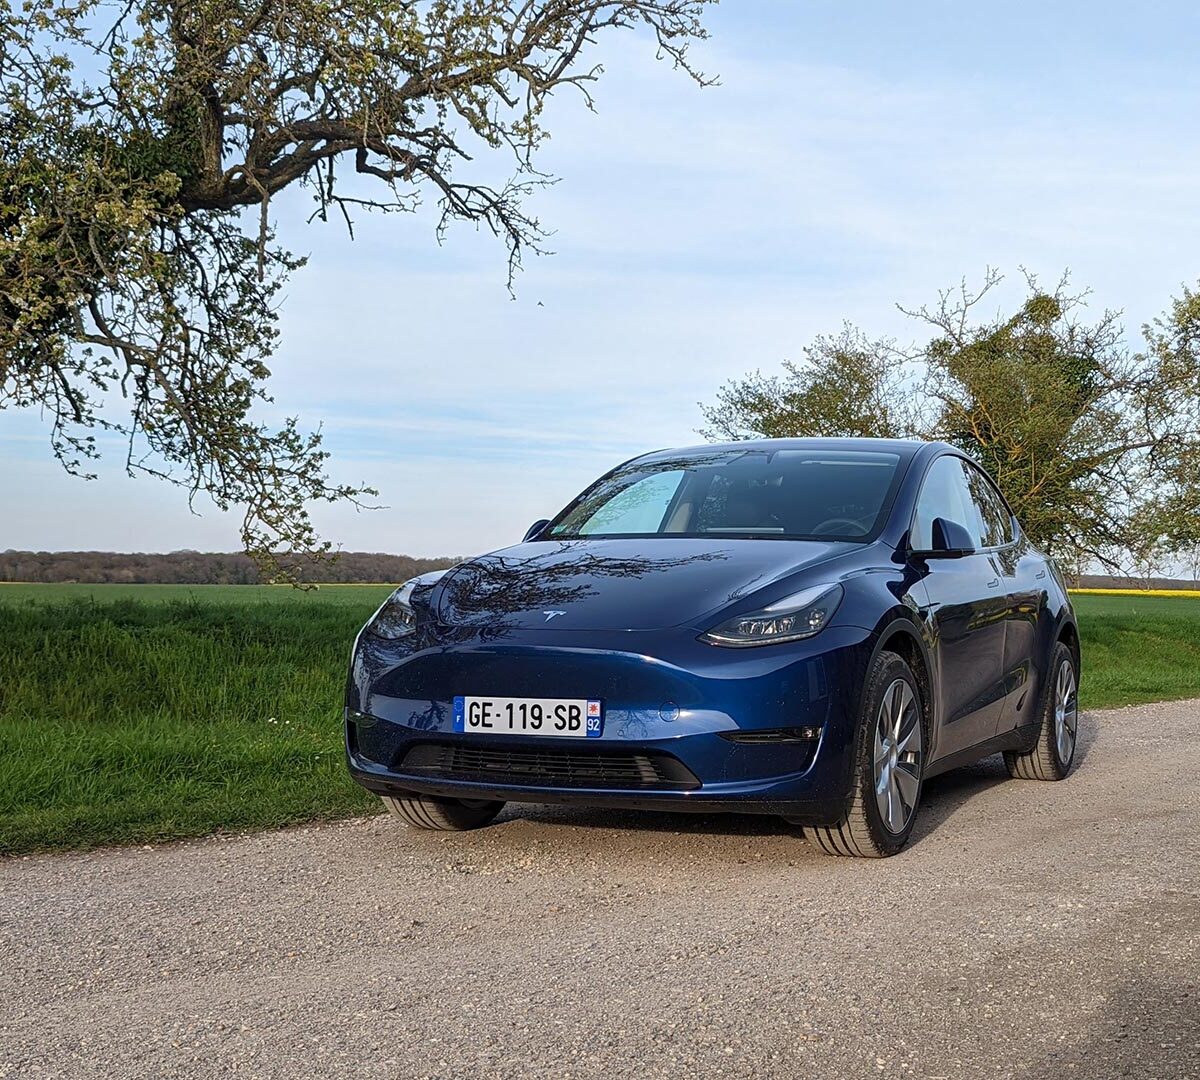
684	727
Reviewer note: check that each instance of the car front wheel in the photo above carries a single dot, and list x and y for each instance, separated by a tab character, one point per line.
889	763
445	815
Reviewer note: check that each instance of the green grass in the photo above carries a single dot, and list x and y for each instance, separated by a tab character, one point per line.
193	710
142	713
1138	649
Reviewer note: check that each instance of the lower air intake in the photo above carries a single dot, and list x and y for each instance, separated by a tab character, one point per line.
550	768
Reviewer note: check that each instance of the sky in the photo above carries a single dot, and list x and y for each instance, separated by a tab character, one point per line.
854	156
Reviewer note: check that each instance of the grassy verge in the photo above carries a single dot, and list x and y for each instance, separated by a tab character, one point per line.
143	713
1138	649
123	720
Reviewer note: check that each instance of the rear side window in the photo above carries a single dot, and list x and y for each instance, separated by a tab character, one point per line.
945	495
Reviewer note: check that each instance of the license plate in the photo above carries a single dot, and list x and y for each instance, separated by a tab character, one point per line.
580	718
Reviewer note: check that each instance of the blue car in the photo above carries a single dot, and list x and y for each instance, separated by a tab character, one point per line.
802	627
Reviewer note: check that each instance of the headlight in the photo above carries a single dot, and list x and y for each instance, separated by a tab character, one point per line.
800	615
395	618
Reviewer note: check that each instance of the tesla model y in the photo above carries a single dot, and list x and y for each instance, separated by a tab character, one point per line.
802	627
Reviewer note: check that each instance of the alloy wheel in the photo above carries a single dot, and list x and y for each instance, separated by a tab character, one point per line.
898	749
1066	712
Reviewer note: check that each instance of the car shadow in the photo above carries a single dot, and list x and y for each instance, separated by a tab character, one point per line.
942	797
650	821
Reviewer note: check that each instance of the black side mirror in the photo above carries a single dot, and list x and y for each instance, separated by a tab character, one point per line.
534	529
950	541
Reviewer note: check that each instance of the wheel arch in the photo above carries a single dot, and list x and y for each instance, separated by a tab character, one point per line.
903	637
1068	634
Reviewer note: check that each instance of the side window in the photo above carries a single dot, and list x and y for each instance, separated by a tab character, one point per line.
640	508
944	495
997	522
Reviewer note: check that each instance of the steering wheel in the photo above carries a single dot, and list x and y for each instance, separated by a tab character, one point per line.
840	525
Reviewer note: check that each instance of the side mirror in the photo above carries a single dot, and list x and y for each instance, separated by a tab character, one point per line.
534	529
950	541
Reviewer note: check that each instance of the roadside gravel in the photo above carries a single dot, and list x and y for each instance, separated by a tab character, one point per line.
1031	930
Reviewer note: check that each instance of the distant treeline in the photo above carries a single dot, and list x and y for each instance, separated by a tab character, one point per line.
200	567
1111	581
349	567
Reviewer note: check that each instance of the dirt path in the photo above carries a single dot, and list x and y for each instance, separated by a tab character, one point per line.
1032	930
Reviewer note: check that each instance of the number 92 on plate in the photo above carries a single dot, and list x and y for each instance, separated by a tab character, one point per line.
580	718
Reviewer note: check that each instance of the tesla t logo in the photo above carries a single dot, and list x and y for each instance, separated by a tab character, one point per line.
552	614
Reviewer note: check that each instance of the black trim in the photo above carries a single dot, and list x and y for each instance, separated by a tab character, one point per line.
582	767
801	812
774	736
1017	739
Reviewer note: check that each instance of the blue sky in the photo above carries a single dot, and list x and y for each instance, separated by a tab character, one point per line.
854	156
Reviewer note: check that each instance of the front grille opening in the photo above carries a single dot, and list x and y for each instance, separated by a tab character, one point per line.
550	768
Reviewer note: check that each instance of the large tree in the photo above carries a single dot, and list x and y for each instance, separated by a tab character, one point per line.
1096	444
141	144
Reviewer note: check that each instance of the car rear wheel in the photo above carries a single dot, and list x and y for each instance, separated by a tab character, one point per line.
889	764
445	815
1052	754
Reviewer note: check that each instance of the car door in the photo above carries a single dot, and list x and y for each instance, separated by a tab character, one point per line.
965	613
1025	581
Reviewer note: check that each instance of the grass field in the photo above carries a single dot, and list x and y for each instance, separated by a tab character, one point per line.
358	596
1138	648
173	714
144	712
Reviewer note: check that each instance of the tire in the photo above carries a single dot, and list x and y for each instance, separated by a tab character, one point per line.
1058	731
443	815
889	764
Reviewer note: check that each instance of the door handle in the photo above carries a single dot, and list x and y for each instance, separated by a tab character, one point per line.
994	583
1040	574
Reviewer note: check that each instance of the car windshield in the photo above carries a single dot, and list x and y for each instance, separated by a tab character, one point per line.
788	494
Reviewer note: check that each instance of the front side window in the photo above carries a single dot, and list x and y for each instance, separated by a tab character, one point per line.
769	494
945	495
993	514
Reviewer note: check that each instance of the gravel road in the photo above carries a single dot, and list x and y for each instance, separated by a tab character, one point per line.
1031	930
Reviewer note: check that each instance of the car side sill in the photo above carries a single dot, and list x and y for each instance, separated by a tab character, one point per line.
1017	739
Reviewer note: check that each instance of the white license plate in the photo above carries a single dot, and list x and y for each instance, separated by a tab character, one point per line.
580	718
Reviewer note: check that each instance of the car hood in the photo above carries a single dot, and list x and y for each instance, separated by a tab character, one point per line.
616	584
